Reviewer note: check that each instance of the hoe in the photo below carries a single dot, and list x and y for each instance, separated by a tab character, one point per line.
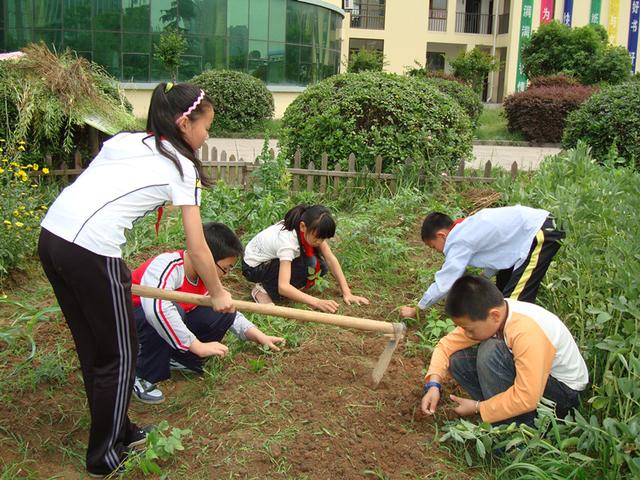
393	331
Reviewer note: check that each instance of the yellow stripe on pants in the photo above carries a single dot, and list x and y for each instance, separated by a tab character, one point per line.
533	262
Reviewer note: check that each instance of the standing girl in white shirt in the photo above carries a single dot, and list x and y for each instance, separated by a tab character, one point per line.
285	259
80	250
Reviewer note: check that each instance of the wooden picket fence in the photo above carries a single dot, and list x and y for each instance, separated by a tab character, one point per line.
237	172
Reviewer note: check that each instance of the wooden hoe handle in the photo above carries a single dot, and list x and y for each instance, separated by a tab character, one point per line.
273	310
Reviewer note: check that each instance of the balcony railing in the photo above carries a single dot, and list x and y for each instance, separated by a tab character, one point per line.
481	23
438	20
503	23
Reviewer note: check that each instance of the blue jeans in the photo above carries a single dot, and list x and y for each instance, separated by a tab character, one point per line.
488	369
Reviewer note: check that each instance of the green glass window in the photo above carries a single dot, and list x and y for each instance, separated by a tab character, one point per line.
52	38
136	16
258	61
107	15
238	47
47	14
136	43
17	38
77	14
259	20
277	19
309	19
292	64
293	23
19	14
106	51
135	67
191	65
77	40
215	53
276	62
163	14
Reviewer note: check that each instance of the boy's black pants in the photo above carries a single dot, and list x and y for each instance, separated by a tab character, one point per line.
94	293
267	273
155	353
523	282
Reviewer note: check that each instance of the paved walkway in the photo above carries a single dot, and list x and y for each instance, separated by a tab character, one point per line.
528	158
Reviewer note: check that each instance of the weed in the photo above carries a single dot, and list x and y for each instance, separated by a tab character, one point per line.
257	364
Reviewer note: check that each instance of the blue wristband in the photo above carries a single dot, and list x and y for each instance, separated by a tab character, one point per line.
428	385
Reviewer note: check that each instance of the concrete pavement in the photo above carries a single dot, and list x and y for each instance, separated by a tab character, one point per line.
528	158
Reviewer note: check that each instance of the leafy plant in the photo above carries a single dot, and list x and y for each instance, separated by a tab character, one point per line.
376	113
473	67
170	50
583	52
159	446
257	364
365	61
466	97
240	100
609	118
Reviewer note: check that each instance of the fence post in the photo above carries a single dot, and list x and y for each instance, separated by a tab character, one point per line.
233	171
487	169
352	169
336	179
323	166
224	169
460	172
296	164
310	177
514	171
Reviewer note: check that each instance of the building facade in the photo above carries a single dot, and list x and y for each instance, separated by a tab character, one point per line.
431	32
287	43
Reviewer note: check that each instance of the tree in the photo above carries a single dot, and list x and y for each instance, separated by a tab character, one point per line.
172	46
582	52
473	67
365	61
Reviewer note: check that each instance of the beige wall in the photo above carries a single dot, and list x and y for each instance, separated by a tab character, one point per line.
139	96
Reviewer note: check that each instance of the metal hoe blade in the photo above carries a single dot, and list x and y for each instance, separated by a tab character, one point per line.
399	330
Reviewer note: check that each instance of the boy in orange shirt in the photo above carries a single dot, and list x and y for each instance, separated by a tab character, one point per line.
506	354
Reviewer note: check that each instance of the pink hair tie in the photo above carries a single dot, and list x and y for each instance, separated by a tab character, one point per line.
192	107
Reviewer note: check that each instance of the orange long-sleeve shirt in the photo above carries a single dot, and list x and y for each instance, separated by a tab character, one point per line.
541	345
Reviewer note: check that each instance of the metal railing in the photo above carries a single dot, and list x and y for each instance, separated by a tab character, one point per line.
437	20
503	23
481	23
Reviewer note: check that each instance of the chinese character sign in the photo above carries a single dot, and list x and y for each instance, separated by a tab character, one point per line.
546	11
568	12
614	11
632	44
596	6
525	32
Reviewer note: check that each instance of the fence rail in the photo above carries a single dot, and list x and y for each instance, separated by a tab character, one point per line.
237	172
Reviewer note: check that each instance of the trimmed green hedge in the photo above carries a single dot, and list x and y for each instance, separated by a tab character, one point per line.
608	117
466	97
240	100
377	113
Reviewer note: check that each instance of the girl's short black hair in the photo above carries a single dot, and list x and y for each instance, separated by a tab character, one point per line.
168	103
472	296
222	241
317	218
432	223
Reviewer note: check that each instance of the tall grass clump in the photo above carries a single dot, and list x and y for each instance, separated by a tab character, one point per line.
595	288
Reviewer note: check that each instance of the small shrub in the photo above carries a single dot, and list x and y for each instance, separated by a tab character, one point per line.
365	61
609	117
473	67
240	100
466	97
541	113
564	81
376	113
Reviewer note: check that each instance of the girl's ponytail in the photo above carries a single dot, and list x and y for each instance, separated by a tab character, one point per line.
317	218
168	102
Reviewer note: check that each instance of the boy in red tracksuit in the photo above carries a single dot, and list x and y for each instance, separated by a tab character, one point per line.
178	336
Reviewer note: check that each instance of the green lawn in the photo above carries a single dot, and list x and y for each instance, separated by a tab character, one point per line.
492	125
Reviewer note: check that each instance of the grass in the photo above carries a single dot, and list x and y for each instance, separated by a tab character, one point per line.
492	125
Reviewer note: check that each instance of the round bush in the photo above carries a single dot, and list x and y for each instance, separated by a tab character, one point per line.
540	113
612	115
466	97
240	100
376	113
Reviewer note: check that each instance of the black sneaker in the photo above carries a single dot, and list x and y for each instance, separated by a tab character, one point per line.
138	437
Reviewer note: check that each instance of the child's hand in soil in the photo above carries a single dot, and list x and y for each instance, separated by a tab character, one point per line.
408	312
208	349
350	297
466	406
328	306
430	401
270	342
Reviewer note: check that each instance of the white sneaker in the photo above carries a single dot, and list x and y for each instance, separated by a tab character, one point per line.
260	295
147	392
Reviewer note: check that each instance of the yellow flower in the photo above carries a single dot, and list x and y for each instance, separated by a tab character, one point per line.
45	170
21	142
1	170
43	207
2	140
35	167
21	148
19	224
22	207
7	222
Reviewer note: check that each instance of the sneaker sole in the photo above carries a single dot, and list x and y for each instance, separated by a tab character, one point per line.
137	443
148	402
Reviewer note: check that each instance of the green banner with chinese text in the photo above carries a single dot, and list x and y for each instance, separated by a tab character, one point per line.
525	32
